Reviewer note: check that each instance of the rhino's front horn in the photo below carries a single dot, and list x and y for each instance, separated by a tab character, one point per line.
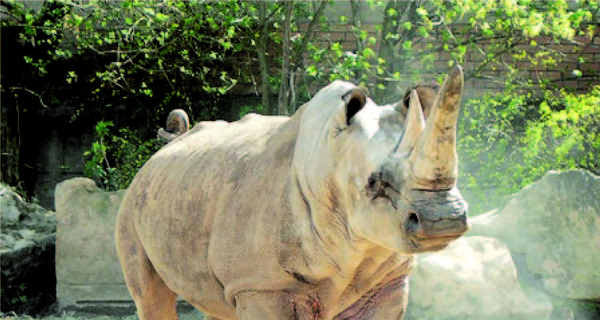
434	159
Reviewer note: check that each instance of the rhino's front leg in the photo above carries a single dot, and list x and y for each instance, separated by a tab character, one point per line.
388	300
274	305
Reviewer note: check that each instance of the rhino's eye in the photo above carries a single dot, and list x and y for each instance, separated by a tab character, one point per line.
371	182
378	188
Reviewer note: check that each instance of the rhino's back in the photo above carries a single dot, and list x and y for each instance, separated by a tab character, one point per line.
203	166
206	191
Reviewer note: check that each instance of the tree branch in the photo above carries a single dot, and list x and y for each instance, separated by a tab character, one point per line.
308	32
33	93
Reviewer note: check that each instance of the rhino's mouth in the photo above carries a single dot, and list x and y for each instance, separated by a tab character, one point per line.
420	245
419	240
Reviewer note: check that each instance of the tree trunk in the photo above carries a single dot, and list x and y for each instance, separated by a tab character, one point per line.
262	56
356	23
11	142
389	28
393	54
355	6
285	88
298	56
309	34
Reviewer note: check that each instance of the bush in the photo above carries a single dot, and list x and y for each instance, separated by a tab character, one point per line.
114	160
507	141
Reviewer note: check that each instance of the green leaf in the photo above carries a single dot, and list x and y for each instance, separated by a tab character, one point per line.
368	52
311	71
160	17
407	45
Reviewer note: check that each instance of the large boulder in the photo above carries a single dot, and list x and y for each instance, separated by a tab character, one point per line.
552	228
27	255
88	273
473	278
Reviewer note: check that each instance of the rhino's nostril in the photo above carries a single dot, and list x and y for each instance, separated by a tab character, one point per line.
413	218
412	224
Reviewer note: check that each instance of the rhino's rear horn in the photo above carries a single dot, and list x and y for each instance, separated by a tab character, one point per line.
414	125
178	123
434	159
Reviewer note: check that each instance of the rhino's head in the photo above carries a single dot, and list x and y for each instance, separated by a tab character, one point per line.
381	173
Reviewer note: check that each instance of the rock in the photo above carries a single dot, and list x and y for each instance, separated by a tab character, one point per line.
552	228
473	278
9	205
87	268
27	244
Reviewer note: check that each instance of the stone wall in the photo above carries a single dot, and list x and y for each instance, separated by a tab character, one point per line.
560	73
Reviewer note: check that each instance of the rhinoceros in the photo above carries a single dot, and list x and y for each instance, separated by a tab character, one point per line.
314	216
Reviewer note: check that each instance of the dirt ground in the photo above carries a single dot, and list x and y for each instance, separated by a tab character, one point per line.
193	315
185	312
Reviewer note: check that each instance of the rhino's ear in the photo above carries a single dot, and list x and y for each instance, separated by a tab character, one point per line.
355	101
427	93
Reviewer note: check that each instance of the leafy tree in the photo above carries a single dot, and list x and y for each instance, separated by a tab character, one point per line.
492	39
127	62
150	56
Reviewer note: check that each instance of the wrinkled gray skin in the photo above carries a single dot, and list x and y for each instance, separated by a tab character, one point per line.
316	216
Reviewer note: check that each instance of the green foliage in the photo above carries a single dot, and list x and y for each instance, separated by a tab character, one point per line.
113	161
246	109
137	59
21	296
508	141
588	309
142	59
154	56
497	37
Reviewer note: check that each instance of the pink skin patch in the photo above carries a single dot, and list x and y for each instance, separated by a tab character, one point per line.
312	307
315	305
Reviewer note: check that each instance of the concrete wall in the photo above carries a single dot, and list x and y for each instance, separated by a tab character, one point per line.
89	278
88	274
52	150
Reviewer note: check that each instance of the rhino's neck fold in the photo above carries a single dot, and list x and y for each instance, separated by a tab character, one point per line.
320	211
308	209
